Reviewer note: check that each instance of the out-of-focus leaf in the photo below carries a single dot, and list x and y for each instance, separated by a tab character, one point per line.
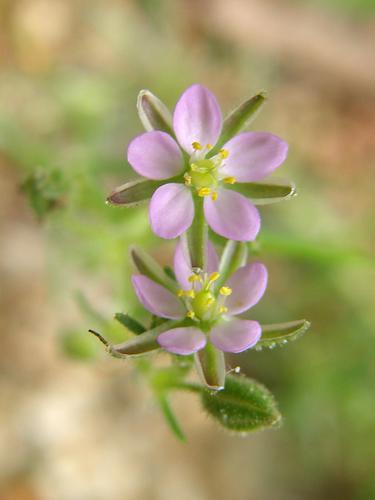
282	333
133	193
266	192
78	346
170	417
243	405
130	323
45	190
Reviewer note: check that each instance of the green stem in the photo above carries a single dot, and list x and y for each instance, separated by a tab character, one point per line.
197	236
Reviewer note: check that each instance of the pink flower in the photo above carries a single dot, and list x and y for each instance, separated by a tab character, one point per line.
194	172
211	308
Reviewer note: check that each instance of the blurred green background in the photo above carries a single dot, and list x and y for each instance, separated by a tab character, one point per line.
79	425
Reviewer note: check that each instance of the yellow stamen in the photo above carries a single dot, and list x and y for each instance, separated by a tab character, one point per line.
229	180
225	290
214	276
208	146
210	301
187	178
190	293
223	309
190	314
214	196
224	153
180	293
194	277
204	191
197	146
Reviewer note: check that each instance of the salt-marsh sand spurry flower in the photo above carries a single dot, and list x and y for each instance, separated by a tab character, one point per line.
211	309
195	169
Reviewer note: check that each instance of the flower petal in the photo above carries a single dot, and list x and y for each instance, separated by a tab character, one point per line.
171	210
155	155
182	340
253	155
236	335
156	298
182	264
232	216
197	118
248	285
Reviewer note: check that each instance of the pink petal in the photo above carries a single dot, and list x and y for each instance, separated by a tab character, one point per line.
182	265
155	155
156	298
236	335
171	210
197	118
232	216
253	155
182	340
248	285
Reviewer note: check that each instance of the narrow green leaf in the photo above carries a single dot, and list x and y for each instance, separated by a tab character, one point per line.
239	119
210	365
170	417
133	193
264	193
148	266
153	113
281	333
169	272
130	323
243	405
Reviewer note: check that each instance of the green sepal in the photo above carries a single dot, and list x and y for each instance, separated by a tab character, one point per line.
282	333
144	342
210	364
153	113
133	193
234	256
243	405
264	193
149	267
130	323
239	119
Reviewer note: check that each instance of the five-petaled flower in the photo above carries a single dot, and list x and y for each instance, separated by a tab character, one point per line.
209	307
193	171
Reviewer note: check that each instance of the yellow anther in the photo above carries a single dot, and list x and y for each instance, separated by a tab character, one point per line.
197	146
210	301
229	180
225	290
190	314
223	309
208	146
180	293
204	191
193	277
190	293
213	277
187	178
224	153
214	196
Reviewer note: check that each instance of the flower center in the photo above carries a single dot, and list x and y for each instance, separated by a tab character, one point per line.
204	173
204	303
